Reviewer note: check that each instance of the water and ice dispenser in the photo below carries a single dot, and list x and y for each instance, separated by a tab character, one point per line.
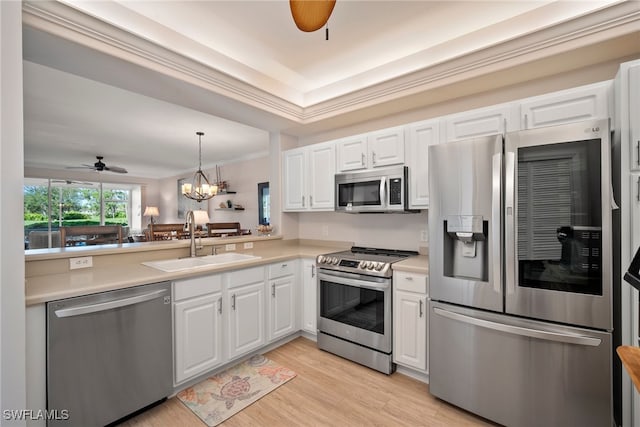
466	247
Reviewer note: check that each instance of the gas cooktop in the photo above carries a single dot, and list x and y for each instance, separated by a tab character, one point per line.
363	260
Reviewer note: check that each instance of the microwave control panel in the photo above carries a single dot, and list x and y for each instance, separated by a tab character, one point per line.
395	191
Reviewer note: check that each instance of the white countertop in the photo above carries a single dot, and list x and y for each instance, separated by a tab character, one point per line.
128	271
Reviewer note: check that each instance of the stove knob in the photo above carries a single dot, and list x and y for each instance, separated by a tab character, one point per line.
379	266
370	265
334	260
363	264
321	259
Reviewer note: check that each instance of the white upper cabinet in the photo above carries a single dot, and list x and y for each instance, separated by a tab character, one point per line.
294	179
420	136
307	175
376	149
386	147
567	106
352	153
634	113
322	168
482	122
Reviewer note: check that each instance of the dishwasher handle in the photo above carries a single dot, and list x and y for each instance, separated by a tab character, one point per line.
108	305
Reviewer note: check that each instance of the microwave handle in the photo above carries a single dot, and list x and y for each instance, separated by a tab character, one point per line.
383	191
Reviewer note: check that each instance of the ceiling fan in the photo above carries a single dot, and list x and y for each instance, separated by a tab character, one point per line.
100	166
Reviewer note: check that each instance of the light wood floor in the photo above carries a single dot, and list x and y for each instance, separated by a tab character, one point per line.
328	391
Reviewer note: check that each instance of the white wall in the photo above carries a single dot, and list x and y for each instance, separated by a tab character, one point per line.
12	283
242	177
391	231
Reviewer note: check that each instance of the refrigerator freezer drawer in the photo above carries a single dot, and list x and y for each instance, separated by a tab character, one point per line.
518	372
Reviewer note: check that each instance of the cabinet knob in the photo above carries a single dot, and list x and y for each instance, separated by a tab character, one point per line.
273	290
233	301
421	312
363	159
220	306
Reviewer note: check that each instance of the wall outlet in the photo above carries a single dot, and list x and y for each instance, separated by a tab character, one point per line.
230	247
248	245
424	236
80	262
325	230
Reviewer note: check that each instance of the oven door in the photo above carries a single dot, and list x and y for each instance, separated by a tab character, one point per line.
356	308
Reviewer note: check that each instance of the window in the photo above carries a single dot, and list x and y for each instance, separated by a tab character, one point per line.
51	203
264	204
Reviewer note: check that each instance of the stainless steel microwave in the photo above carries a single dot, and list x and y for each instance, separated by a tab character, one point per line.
378	191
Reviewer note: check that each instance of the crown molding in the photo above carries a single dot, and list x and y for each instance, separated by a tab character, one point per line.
63	21
66	22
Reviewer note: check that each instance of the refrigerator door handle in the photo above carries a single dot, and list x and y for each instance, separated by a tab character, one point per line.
509	222
520	330
496	225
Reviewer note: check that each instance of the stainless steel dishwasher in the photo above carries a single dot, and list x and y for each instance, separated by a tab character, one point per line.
109	354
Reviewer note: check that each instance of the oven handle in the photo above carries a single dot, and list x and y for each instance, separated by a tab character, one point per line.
358	283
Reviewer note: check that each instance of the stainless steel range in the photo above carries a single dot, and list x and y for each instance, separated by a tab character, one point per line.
354	304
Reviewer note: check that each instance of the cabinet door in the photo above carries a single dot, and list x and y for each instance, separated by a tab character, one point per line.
386	147
634	116
281	307
574	105
482	122
293	180
246	319
310	296
635	212
198	335
322	168
420	136
352	153
410	329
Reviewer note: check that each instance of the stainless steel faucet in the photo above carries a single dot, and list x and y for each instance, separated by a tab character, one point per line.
190	224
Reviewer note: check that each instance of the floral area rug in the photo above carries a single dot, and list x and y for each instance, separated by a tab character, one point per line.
227	393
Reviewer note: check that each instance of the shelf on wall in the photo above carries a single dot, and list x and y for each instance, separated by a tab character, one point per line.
229	209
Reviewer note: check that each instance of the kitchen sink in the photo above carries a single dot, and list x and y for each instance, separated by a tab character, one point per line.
180	264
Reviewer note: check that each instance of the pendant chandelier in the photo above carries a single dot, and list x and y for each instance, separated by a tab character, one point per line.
311	15
200	188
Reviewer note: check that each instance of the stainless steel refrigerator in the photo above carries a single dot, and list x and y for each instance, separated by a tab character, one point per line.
520	274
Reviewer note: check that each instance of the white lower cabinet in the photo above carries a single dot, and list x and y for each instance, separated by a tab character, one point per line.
197	317
410	320
309	296
282	299
246	307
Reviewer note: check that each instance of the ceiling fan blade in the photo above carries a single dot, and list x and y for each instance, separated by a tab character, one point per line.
115	169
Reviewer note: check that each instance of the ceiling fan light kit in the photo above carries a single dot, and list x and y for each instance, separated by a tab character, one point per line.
200	188
311	15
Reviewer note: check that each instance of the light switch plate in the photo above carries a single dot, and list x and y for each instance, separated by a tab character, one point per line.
248	245
230	247
80	262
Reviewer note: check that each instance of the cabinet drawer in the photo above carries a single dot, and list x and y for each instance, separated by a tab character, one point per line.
245	277
410	282
280	269
189	288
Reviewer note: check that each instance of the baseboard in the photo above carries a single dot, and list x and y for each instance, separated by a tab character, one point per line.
415	374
